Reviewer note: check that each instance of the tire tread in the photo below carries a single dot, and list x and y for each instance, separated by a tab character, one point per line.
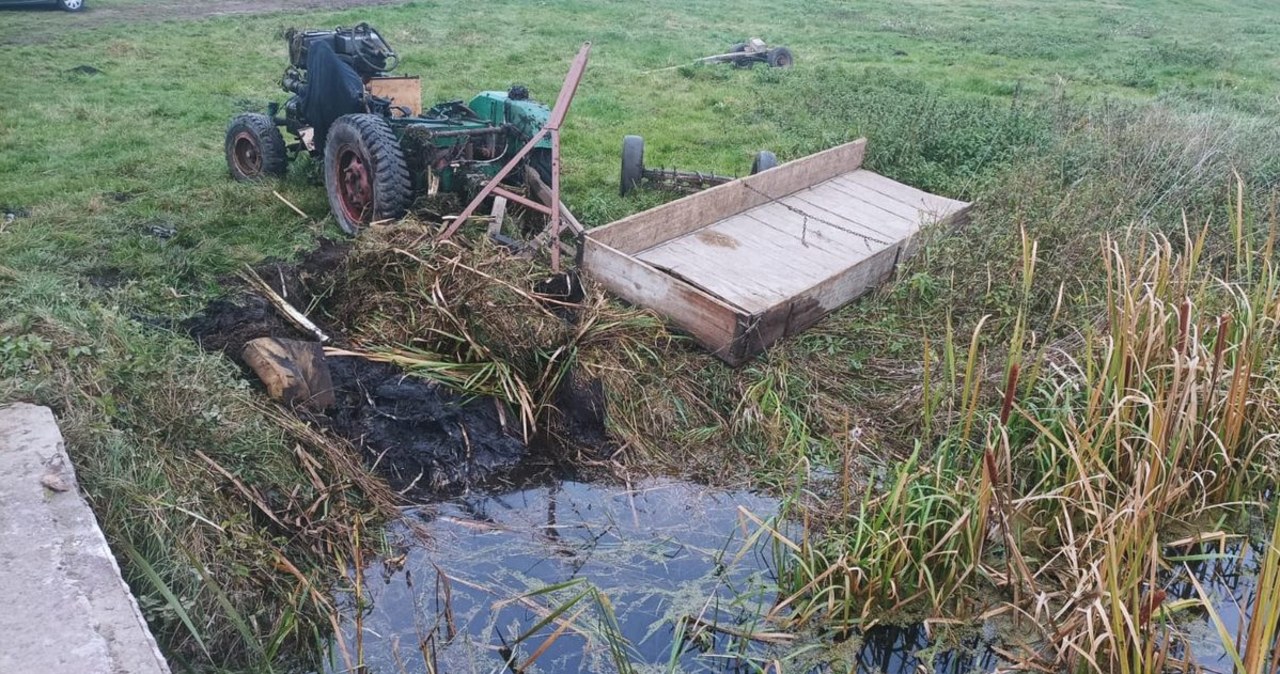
392	188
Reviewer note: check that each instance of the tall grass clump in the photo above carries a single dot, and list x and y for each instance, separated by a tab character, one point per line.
1101	448
224	510
1164	417
475	319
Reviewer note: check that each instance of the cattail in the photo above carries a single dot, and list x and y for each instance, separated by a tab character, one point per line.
1009	389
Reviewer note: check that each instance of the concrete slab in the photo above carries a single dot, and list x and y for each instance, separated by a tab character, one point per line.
66	608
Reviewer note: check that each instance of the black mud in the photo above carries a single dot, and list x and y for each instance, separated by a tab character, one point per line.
423	438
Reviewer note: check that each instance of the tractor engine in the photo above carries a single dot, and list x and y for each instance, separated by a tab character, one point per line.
361	46
327	72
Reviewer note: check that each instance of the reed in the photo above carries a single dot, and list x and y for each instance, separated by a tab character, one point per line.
1095	451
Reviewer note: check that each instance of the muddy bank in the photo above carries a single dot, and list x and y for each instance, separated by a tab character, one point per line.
106	14
422	437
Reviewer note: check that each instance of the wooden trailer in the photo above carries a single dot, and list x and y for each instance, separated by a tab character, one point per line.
744	264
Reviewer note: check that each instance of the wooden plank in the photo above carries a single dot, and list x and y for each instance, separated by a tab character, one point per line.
854	204
740	292
670	220
822	206
733	275
907	194
648	228
807	172
711	321
839	242
747	230
882	202
405	91
794	315
886	228
928	210
499	213
753	265
912	243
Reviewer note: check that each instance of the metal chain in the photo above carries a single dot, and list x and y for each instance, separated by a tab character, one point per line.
804	230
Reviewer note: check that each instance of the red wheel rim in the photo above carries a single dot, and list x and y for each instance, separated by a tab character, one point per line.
244	147
355	189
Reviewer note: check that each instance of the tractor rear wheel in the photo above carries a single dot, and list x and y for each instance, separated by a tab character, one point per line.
780	57
255	148
364	172
763	161
632	164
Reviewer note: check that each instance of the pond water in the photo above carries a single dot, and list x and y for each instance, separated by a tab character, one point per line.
658	576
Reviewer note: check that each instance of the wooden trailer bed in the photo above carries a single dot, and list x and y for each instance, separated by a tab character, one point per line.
744	264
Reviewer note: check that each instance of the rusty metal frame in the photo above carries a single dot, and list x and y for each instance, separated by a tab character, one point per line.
552	129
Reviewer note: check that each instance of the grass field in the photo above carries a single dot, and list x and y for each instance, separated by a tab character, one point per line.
1066	121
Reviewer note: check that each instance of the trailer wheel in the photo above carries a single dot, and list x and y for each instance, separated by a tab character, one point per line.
780	57
364	172
255	148
763	161
632	164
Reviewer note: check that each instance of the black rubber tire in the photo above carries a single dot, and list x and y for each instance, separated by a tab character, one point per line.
780	57
369	138
632	164
540	160
254	148
71	5
737	47
763	161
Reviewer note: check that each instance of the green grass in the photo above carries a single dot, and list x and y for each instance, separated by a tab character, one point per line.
151	123
1065	121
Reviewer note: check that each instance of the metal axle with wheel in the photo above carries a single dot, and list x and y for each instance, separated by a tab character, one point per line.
635	174
753	51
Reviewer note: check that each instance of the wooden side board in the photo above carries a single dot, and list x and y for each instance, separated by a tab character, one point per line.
713	322
791	316
646	229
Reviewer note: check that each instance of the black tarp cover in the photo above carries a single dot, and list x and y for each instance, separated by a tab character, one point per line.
333	89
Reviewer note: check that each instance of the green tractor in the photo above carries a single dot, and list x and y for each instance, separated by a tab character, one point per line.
378	148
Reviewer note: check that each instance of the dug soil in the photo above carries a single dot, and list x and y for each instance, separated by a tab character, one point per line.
145	12
423	438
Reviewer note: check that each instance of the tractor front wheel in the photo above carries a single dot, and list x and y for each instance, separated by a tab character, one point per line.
632	164
364	172
255	148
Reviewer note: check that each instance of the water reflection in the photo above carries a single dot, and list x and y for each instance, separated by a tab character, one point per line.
1228	572
659	551
685	583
